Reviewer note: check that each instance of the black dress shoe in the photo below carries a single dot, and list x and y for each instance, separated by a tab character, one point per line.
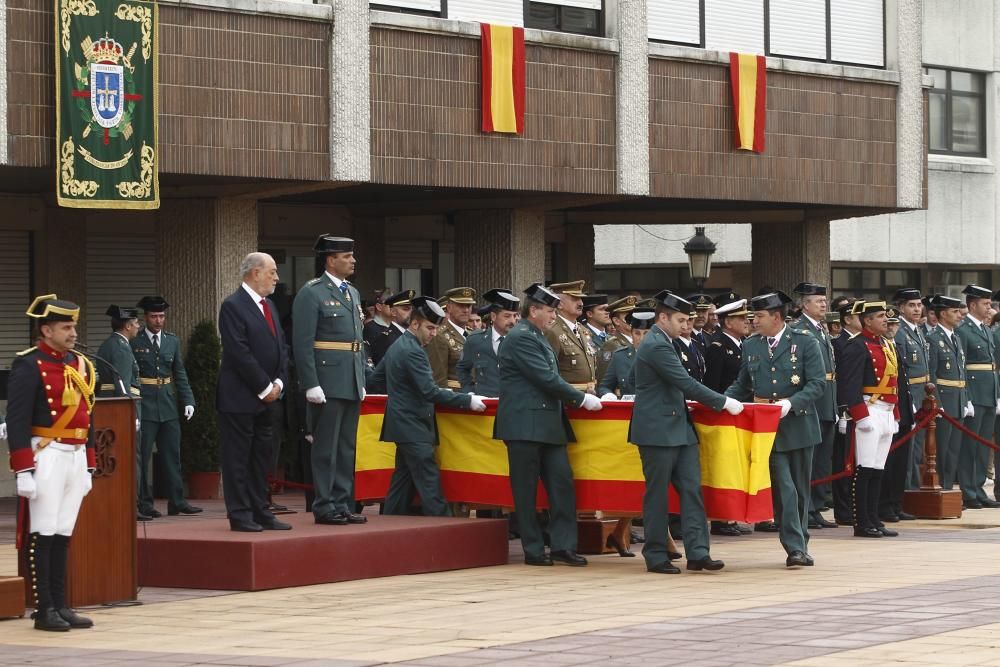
886	532
867	532
275	507
664	568
766	527
889	518
156	514
744	530
989	503
727	529
614	543
797	559
332	519
906	516
972	505
139	516
815	521
674	555
636	538
74	619
50	621
569	558
809	560
187	509
824	523
274	524
245	526
355	518
705	563
537	560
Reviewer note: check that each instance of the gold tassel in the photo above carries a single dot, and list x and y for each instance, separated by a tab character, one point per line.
70	396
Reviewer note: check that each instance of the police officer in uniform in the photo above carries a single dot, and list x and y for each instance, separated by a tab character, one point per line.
405	373
690	352
843	488
330	360
163	383
983	393
946	368
911	345
784	366
50	399
725	352
596	318
698	327
668	445
619	379
531	422
622	334
445	349
399	319
479	368
571	341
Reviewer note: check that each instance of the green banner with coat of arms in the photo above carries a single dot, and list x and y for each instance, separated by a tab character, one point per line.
106	94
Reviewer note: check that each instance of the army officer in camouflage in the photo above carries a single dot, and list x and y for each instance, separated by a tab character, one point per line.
479	368
329	353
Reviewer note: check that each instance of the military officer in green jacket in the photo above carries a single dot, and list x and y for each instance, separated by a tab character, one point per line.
911	344
622	336
445	349
668	445
405	374
163	384
330	359
784	366
946	368
531	422
479	368
619	379
983	393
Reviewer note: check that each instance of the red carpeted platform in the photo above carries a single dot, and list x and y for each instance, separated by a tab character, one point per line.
206	554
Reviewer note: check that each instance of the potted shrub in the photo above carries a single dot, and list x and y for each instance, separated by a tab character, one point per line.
200	435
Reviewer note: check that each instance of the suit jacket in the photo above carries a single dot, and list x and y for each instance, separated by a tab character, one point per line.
479	369
532	392
827	403
406	374
691	358
977	341
660	416
117	363
252	356
379	338
722	362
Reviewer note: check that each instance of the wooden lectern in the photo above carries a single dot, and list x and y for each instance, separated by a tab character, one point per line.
930	501
102	552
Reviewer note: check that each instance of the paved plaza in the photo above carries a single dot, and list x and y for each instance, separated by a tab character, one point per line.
928	597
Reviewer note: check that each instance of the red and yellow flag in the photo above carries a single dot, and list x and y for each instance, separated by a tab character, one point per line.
606	468
748	79
503	78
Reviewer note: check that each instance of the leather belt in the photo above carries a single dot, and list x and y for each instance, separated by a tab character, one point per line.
920	380
156	381
880	391
980	367
584	386
831	376
958	384
106	387
454	384
761	399
354	346
58	433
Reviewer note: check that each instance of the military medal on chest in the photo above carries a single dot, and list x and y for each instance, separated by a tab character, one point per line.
793	357
795	379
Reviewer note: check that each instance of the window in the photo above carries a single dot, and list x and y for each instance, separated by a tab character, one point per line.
583	17
957	112
872	283
422	7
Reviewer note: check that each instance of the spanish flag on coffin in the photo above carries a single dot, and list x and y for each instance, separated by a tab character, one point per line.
606	468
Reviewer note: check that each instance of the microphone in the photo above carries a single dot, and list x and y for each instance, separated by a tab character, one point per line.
94	356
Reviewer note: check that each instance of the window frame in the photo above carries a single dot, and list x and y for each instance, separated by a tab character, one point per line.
442	14
601	14
948	94
857	289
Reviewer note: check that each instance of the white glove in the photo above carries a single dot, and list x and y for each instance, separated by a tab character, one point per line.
865	425
611	397
316	395
786	406
732	406
969	410
3	425
895	427
88	483
26	487
363	393
138	425
188	412
591	402
998	412
842	426
477	404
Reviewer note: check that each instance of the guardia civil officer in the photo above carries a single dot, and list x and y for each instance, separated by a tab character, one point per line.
163	384
946	368
619	380
571	341
50	400
621	335
911	345
399	309
843	488
405	372
479	368
596	318
784	366
330	361
531	422
445	349
668	445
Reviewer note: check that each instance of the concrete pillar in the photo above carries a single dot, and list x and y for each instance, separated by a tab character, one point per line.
369	248
200	244
904	53
629	25
787	253
350	118
580	254
499	248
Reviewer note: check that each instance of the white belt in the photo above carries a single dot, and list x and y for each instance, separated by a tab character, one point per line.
882	405
58	446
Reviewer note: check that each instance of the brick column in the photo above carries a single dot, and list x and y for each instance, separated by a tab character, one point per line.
499	248
200	244
787	253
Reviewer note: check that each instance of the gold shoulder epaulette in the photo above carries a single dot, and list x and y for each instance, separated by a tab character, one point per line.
28	351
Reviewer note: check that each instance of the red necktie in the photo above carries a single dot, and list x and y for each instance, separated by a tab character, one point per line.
267	316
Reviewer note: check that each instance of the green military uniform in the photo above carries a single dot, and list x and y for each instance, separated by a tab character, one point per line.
982	389
445	349
668	445
163	384
619	378
912	349
946	368
996	429
606	354
479	369
329	354
575	357
531	422
793	370
121	369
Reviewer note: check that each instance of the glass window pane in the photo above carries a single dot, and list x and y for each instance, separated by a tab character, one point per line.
871	279
965	124
543	17
841	279
970	82
577	20
940	77
607	280
970	277
937	122
895	277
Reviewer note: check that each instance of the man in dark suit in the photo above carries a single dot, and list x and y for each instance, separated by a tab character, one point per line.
253	374
399	318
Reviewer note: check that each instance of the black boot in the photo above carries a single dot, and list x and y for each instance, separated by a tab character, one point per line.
60	550
863	527
874	491
39	561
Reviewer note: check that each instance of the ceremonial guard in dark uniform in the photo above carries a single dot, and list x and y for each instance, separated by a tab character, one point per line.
445	349
698	329
405	374
911	347
531	422
50	398
869	386
479	368
946	368
399	319
668	445
330	360
571	341
379	322
619	379
691	354
784	366
163	384
596	319
843	488
983	393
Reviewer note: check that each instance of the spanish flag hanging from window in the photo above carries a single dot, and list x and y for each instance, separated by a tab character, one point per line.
503	78
748	77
